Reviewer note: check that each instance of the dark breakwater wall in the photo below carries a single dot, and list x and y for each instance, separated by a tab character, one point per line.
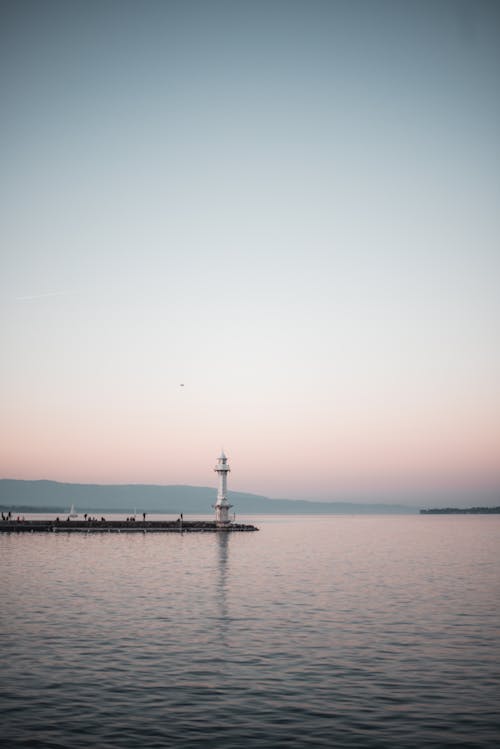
118	526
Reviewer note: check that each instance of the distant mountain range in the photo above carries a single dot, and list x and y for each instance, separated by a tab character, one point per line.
58	497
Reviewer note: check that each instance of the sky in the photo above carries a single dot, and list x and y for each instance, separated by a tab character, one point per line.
271	227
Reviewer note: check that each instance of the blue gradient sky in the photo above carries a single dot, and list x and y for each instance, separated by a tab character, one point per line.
290	207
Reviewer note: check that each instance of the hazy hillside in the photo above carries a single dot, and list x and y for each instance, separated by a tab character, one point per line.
168	499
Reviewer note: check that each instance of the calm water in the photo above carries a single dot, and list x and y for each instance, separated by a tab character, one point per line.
339	631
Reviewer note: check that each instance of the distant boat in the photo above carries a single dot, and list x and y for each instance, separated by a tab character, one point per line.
72	513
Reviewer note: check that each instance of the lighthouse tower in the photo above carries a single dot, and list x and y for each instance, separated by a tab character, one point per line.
222	506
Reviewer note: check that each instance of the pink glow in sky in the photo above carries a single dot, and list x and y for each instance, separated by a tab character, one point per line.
294	216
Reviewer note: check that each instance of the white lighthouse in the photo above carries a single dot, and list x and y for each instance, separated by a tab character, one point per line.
222	506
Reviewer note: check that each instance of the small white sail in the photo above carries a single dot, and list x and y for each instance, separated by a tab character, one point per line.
72	512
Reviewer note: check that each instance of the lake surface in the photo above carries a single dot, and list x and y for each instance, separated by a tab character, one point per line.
336	631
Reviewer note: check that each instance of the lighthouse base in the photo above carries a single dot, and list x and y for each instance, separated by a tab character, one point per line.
222	514
223	523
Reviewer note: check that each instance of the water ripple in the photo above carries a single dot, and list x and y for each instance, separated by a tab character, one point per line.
341	632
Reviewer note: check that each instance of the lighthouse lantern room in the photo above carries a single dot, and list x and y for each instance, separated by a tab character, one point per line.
222	506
